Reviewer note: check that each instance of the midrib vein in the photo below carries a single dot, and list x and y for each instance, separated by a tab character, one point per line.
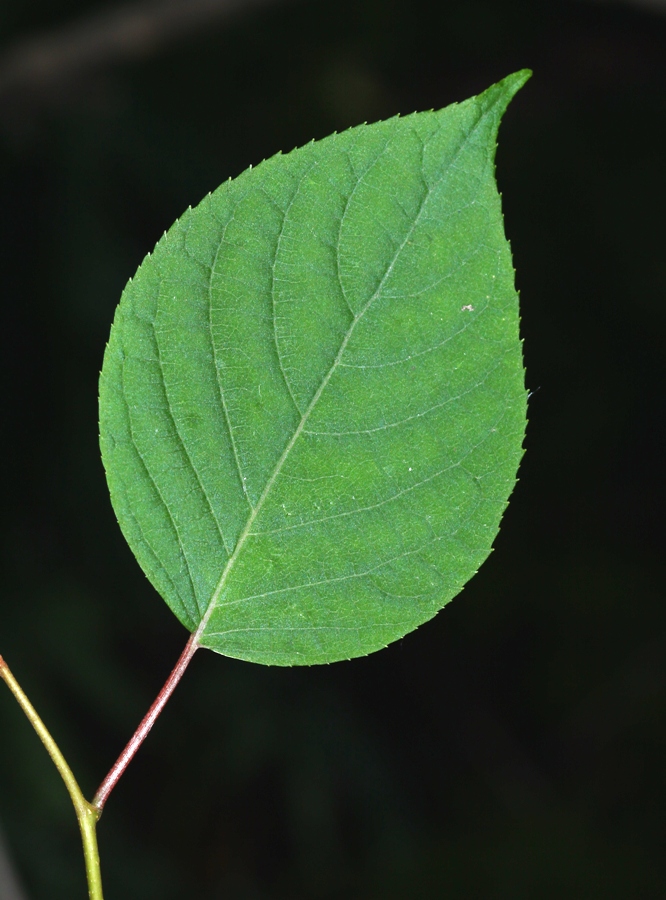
276	471
299	430
306	415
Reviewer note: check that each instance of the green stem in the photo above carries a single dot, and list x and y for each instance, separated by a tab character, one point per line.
86	813
88	826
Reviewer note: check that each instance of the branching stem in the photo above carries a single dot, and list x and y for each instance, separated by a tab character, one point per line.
147	723
86	813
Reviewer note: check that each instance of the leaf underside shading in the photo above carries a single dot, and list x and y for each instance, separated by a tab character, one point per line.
312	403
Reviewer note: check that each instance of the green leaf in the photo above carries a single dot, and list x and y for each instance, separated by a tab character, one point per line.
312	404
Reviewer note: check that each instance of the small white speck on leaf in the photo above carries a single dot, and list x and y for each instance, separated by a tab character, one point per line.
469	307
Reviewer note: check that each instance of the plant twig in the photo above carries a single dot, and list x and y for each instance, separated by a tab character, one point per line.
147	723
86	813
40	63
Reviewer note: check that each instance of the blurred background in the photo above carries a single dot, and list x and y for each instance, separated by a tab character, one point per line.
515	746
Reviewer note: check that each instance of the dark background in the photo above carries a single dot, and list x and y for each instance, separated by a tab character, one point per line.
515	746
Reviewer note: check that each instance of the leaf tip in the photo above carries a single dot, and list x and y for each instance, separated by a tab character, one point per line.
514	82
499	95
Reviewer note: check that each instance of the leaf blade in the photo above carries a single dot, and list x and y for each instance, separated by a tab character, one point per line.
362	340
